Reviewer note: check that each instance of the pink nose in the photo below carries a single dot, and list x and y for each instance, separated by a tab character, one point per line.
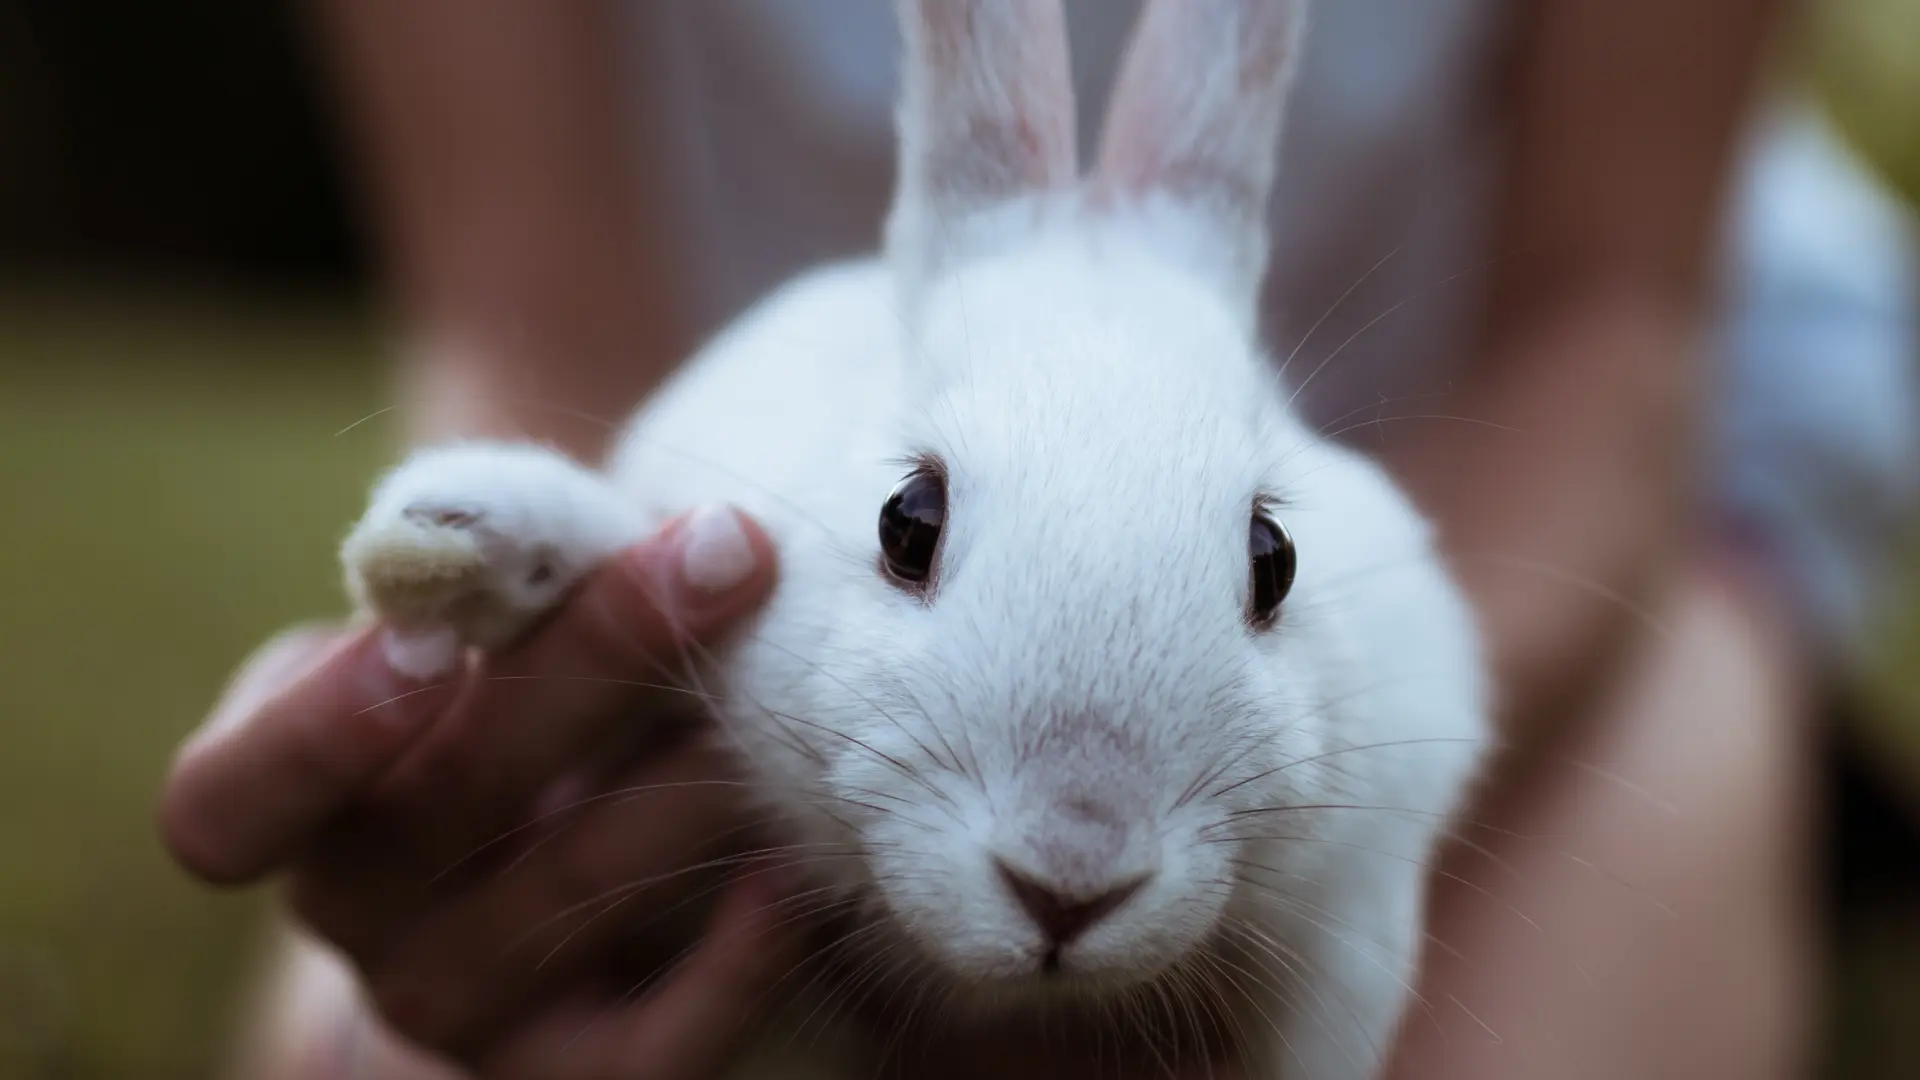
1059	916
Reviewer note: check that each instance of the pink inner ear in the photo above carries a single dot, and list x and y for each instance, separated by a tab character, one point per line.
1268	43
1196	113
992	115
1033	145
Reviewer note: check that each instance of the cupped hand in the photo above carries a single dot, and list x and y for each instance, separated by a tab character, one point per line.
464	845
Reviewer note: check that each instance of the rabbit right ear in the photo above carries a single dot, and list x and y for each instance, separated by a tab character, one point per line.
986	117
1195	121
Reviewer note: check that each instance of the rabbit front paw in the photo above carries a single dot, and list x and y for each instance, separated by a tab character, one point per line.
468	545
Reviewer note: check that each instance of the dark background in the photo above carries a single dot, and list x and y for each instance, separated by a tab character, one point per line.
177	140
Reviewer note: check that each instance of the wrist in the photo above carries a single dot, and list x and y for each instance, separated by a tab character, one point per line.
467	388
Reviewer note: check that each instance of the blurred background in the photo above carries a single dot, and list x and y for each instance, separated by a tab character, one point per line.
188	330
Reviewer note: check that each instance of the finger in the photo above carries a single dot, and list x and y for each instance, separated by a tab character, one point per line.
282	659
628	863
309	722
688	1025
619	644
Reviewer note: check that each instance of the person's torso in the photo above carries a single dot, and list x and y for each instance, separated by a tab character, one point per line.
771	131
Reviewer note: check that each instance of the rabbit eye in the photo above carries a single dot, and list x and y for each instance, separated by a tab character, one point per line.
910	523
1271	565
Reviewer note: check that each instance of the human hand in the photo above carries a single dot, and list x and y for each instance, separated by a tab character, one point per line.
393	805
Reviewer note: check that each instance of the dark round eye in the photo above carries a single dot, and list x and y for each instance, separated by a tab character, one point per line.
1271	564
910	524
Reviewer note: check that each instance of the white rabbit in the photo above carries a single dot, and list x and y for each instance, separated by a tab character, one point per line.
1039	675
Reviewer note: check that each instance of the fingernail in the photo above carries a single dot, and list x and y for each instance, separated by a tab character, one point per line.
422	654
401	671
715	554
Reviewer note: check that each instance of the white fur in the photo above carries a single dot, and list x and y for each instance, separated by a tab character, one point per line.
1080	695
467	544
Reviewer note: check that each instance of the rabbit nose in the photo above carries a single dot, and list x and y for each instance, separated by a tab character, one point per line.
1060	916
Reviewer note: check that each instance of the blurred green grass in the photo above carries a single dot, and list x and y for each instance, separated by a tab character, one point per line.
172	489
1863	59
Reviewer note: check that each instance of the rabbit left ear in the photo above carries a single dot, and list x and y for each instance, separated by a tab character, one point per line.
1196	118
986	115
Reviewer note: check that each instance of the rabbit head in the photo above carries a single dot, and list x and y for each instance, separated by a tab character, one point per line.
1085	696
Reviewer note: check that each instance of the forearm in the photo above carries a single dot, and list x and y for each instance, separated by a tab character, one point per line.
1564	514
494	141
1623	120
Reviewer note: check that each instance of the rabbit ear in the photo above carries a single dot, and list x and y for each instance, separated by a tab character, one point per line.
1196	118
986	115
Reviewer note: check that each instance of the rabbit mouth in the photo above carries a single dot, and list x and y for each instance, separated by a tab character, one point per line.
1183	1010
1042	976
